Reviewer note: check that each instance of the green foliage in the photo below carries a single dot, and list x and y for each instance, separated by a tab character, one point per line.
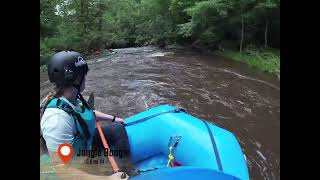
86	25
208	22
265	59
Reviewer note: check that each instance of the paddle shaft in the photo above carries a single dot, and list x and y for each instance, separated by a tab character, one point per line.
113	163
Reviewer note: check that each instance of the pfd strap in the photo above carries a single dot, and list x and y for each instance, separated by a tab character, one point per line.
68	109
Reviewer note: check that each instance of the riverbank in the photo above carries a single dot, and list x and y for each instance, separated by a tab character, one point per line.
265	59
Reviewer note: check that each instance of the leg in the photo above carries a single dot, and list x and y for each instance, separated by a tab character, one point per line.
117	139
115	135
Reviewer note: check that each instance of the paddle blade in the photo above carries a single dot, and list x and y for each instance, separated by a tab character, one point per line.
91	101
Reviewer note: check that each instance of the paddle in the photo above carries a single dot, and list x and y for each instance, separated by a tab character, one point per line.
113	163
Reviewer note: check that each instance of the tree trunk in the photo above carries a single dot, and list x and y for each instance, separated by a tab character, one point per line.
86	19
100	13
266	33
82	17
242	29
99	16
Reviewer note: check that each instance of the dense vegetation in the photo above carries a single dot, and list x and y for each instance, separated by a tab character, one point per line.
265	59
89	25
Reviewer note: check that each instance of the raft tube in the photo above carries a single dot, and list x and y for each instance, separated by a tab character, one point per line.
203	150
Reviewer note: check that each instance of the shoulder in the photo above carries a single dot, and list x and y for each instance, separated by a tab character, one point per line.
55	116
57	127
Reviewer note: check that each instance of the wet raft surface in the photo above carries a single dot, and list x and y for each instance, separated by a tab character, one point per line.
227	93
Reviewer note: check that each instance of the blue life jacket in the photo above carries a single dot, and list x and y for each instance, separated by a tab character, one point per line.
84	122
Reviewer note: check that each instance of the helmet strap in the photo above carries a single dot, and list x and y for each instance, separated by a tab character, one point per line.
78	86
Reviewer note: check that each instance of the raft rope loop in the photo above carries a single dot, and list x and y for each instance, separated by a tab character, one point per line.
152	116
214	146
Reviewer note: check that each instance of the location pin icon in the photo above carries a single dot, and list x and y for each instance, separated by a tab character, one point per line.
65	152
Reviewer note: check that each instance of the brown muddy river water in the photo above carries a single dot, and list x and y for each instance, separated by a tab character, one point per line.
227	93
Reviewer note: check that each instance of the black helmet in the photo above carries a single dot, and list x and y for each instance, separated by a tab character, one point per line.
65	66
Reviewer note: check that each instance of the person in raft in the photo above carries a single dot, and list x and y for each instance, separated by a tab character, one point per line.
67	118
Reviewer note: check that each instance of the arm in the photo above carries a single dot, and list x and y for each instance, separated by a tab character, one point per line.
105	117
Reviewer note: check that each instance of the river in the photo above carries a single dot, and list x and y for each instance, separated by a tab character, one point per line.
230	94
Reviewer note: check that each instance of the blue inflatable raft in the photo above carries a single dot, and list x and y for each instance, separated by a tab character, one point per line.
202	150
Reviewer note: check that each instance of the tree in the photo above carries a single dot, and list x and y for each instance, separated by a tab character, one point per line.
84	25
265	8
207	18
242	9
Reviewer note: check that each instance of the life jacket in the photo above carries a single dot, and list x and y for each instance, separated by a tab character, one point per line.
84	122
